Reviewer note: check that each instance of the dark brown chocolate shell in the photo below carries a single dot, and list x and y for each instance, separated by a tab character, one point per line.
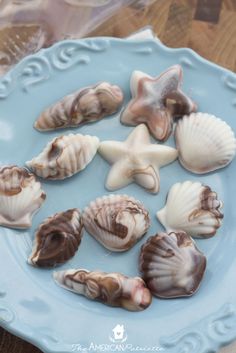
57	239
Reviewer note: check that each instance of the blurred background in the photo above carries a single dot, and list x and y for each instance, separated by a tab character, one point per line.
207	26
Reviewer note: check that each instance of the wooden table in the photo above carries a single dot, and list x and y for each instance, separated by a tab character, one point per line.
207	26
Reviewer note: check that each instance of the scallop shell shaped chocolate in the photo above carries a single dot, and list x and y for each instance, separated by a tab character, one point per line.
112	289
171	264
57	239
64	156
205	143
20	197
84	106
116	221
193	208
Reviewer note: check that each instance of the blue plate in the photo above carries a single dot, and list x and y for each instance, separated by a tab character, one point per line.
31	305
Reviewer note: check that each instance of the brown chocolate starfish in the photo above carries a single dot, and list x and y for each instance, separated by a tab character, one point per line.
157	101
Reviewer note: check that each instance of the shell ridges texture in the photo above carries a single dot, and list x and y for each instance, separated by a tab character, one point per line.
116	221
193	208
64	156
171	264
205	143
21	196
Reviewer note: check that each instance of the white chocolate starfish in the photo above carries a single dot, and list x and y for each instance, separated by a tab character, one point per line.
157	101
136	160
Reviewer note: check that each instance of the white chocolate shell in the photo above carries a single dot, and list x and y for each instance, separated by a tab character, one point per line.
136	160
20	197
205	143
84	106
171	265
112	289
64	156
116	221
193	208
57	239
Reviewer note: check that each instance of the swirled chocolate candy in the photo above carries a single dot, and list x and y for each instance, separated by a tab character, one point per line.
116	221
113	289
57	239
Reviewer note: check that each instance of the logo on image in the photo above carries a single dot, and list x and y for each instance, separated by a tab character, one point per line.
118	334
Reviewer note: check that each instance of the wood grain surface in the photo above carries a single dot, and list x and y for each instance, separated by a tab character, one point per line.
207	26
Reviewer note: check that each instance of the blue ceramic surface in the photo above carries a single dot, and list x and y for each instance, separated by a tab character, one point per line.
31	305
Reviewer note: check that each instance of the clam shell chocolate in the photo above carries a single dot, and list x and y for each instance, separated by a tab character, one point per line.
64	156
116	221
21	196
205	143
192	207
57	239
112	289
171	265
81	107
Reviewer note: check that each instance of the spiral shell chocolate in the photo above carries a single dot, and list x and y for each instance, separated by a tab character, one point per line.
193	208
20	197
112	289
64	156
57	239
116	221
171	265
84	106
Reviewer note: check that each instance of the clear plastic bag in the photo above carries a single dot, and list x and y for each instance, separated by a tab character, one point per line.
29	25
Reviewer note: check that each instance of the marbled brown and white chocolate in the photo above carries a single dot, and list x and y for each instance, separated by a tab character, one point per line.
205	143
64	156
112	289
136	160
84	106
57	239
116	221
157	101
21	196
171	265
193	208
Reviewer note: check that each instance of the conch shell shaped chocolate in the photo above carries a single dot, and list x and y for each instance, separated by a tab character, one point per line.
171	265
64	156
116	221
157	101
193	208
21	196
57	239
113	289
83	106
205	143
